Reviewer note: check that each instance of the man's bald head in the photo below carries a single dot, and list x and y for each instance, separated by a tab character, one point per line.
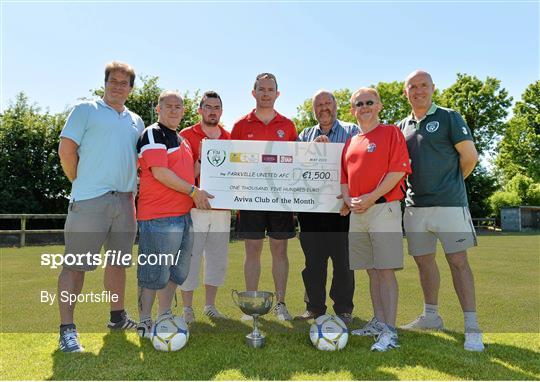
418	73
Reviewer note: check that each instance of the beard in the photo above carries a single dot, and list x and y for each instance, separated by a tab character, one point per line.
211	122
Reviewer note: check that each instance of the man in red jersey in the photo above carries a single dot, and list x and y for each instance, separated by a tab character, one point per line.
374	164
167	193
211	227
265	124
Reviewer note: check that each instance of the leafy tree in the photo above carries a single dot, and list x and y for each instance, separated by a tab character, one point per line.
484	106
502	199
305	116
395	104
524	187
343	100
520	190
191	104
480	186
31	178
519	149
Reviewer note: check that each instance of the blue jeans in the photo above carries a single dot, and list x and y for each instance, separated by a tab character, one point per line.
165	246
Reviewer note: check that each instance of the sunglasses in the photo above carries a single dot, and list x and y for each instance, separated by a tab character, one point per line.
367	103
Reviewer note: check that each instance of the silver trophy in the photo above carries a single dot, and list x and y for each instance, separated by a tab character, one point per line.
254	304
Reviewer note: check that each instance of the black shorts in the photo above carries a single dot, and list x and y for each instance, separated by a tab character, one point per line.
253	225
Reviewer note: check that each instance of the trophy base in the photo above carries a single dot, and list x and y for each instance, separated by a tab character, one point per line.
255	341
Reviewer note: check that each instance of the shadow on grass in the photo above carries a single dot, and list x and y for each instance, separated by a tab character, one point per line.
218	350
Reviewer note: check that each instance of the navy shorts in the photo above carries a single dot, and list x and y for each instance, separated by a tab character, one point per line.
253	225
165	246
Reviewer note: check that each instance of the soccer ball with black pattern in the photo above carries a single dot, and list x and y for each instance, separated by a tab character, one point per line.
329	333
170	334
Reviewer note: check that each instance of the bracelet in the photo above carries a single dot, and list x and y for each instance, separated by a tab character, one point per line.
193	191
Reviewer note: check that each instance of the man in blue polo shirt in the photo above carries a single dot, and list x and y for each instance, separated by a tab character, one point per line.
322	235
99	156
442	155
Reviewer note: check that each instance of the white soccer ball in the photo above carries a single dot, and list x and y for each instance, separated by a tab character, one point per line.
170	334
329	333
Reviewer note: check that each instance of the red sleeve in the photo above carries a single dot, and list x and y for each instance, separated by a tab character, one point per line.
344	173
399	155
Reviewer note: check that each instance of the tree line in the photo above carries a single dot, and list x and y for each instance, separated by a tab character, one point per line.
32	181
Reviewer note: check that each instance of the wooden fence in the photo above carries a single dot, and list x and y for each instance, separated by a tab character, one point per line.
23	219
479	223
484	223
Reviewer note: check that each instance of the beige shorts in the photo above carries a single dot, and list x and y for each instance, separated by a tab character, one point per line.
453	226
106	221
211	241
376	238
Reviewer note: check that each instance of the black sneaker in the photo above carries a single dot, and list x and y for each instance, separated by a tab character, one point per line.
69	341
347	318
126	323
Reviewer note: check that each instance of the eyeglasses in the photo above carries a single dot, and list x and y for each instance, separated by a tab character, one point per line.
211	108
123	84
361	103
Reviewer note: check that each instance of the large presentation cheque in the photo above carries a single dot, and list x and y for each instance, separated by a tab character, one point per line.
272	176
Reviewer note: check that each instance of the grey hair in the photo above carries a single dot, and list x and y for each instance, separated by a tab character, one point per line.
319	92
167	93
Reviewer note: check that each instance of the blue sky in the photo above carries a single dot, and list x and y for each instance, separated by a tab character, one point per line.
56	51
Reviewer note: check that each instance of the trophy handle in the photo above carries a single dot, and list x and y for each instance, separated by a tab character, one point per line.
234	296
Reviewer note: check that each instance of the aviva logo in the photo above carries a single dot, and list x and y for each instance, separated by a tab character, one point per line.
244	158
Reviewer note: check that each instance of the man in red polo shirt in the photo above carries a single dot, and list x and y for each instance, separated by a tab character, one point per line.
211	227
374	165
266	124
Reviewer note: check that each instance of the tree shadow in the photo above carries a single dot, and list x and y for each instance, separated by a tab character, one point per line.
217	348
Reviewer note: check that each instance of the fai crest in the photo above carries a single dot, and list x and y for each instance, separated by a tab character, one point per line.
371	147
432	126
216	157
281	133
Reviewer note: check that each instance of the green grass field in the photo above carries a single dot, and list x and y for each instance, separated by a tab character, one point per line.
507	273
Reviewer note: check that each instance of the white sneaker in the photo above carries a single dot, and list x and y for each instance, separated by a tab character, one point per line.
425	323
212	312
281	312
385	341
372	328
188	314
473	340
144	329
246	317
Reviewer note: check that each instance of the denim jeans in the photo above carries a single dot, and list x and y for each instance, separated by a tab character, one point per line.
165	246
